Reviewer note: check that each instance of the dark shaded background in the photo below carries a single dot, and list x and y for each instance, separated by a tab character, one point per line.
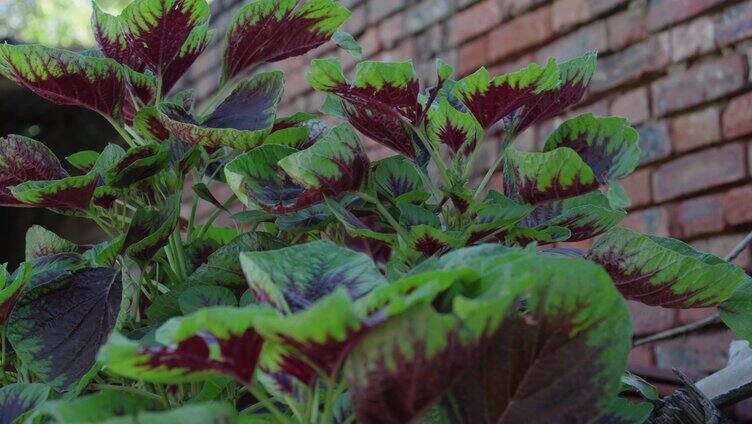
65	130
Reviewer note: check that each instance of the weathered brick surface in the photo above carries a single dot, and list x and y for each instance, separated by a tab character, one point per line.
678	69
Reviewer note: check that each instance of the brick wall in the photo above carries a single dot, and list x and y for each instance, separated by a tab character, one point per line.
678	69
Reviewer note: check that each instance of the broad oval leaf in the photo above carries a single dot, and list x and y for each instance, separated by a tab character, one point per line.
67	78
553	175
211	341
198	297
272	30
608	145
575	77
293	278
156	30
57	328
23	159
199	412
223	268
333	166
492	99
83	160
137	164
150	229
109	31
97	407
42	242
67	193
665	272
399	180
198	40
457	129
736	311
18	399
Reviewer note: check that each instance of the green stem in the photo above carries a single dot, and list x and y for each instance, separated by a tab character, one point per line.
213	217
261	396
508	137
435	155
192	218
129	389
101	224
121	131
393	222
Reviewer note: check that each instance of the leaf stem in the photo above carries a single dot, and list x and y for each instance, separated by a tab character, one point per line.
213	217
129	389
508	137
121	131
388	216
264	399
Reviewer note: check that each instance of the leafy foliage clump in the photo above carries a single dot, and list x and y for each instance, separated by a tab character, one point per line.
392	291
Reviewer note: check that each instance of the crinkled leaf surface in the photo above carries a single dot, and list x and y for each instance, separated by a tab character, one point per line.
67	78
19	398
665	272
333	166
57	328
608	145
398	179
492	99
294	278
198	40
575	75
553	175
223	266
112	38
210	341
42	242
156	30
138	163
23	159
584	216
150	229
272	30
455	128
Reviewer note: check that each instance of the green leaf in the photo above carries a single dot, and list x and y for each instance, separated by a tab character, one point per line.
736	311
157	29
223	266
293	278
336	164
12	286
608	145
623	411
199	297
41	242
97	407
255	177
496	214
68	193
354	225
492	99
665	272
585	216
105	253
457	129
83	160
109	31
399	180
150	229
553	175
56	328
617	196
634	382
203	192
17	400
139	163
261	24
206	412
346	42
66	78
430	240
209	342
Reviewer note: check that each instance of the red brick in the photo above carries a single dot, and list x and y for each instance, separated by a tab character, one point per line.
378	10
586	39
517	7
701	83
598	108
650	319
696	129
699	171
474	21
721	246
698	216
568	13
652	221
736	205
734	24
370	42
472	55
737	117
521	33
626	28
706	352
357	22
390	30
632	105
688	316
642	355
665	12
637	61
637	186
655	142
691	39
